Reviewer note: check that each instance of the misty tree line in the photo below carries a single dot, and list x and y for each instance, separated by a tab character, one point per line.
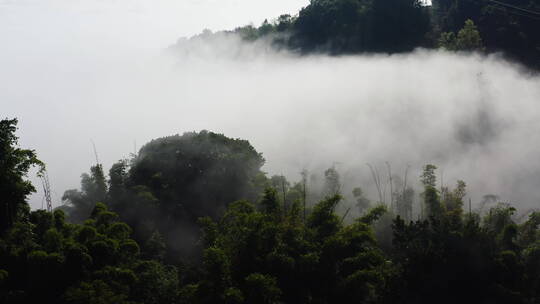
394	26
193	219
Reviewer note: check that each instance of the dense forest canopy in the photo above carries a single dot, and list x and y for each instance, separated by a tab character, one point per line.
172	182
395	26
277	242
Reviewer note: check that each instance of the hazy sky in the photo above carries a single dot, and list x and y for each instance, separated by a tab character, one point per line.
59	56
37	26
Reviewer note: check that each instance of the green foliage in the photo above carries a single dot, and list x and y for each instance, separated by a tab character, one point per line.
447	41
373	214
94	292
155	247
96	262
342	27
79	204
508	28
452	202
498	218
484	254
177	179
204	171
262	289
156	283
3	276
322	220
467	39
271	251
262	256
345	26
529	231
428	177
431	197
270	203
14	166
118	179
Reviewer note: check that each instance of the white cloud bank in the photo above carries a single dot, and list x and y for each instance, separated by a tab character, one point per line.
475	117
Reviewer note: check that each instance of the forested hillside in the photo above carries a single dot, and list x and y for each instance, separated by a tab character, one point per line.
510	27
193	219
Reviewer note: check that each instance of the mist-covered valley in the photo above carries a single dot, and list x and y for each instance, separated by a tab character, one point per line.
372	151
472	115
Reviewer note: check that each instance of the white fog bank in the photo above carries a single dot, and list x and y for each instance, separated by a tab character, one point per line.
475	117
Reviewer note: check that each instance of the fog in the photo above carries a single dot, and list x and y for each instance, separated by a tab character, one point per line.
473	116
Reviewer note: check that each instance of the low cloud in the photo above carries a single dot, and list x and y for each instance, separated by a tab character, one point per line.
474	116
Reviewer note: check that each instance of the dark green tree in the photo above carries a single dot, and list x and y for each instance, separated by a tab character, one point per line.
467	39
431	197
78	204
14	166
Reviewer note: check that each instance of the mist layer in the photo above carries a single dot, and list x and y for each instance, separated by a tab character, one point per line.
475	117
